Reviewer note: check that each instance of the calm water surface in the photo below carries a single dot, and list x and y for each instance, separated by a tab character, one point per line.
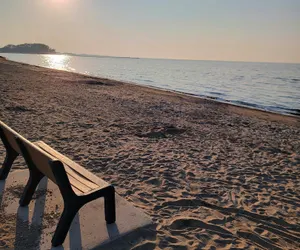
269	86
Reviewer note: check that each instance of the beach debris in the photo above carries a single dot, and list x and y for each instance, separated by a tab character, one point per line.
97	82
86	124
18	108
162	132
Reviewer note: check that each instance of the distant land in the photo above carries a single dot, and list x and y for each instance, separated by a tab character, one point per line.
101	56
40	48
28	48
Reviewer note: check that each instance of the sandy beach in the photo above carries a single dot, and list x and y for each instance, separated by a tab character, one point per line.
211	175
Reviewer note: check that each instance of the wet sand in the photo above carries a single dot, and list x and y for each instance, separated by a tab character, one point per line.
211	175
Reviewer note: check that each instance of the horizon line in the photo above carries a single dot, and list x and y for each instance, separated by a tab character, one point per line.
164	58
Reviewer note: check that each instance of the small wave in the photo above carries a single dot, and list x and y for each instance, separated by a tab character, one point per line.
276	109
217	93
289	97
294	111
147	80
248	104
295	80
287	79
280	78
238	78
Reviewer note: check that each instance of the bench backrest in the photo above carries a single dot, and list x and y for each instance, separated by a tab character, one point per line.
38	157
10	136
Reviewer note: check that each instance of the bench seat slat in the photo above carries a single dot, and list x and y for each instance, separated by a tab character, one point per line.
76	176
90	185
77	191
78	185
75	170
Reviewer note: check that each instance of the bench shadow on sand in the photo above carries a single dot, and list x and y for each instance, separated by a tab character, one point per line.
2	187
28	232
29	229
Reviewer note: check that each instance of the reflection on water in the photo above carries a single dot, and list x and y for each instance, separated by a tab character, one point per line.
57	62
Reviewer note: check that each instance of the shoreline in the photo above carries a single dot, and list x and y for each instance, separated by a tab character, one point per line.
208	98
211	175
153	58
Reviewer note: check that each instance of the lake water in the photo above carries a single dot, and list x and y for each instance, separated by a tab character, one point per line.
268	86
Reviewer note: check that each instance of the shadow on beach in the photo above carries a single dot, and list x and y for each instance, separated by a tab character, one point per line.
28	229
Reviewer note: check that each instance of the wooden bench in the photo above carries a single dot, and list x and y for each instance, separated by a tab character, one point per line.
8	137
77	185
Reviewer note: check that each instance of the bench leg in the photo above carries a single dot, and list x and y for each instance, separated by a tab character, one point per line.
64	224
34	180
11	155
71	208
110	205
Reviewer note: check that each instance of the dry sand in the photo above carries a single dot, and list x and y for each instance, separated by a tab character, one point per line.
212	176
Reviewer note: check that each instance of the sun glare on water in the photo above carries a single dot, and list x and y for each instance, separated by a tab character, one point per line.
57	62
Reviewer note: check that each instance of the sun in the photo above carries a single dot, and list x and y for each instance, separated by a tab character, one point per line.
59	4
60	1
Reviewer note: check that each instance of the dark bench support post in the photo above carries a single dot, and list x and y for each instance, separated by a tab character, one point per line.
110	205
34	180
35	177
10	157
73	202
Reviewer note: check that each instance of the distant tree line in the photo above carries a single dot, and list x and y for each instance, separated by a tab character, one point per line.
28	48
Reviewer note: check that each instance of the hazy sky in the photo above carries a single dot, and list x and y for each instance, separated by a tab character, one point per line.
235	30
